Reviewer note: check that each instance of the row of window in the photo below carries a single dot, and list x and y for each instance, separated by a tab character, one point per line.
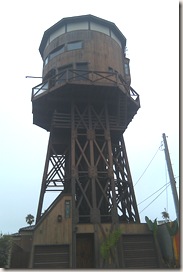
86	25
63	48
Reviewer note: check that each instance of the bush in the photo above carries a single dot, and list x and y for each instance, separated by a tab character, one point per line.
5	243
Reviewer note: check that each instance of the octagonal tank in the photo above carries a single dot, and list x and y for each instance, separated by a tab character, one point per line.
84	58
84	43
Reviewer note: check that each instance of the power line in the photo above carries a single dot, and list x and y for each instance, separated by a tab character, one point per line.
149	164
154	193
154	199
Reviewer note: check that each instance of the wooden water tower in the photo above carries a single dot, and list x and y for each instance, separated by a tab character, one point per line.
86	103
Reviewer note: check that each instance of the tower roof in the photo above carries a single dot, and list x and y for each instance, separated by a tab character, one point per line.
82	18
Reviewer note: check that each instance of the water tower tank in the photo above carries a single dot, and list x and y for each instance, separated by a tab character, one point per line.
82	50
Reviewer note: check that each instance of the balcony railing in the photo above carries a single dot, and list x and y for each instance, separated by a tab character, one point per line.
84	77
40	89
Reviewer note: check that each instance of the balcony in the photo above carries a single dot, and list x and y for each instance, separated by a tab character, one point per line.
83	77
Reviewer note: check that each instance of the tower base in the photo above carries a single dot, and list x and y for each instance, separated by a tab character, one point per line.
135	248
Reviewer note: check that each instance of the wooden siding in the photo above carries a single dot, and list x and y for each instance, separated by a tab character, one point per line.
50	231
106	228
99	51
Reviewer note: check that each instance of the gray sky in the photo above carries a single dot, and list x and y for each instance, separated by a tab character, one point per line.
152	32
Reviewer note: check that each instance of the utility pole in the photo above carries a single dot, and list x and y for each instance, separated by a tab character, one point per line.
171	176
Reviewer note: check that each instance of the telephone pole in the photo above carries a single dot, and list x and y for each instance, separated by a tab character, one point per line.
171	176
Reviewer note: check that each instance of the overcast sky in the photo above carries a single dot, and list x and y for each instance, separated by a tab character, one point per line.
152	32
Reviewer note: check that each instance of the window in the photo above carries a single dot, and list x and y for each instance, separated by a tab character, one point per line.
74	45
67	208
56	52
82	68
51	77
46	61
64	47
110	69
64	73
126	69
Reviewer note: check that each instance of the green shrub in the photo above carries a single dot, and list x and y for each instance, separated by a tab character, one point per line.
109	243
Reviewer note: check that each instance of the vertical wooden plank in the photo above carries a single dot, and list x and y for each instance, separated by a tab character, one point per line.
73	181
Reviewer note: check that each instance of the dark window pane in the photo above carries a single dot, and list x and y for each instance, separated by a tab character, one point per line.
64	73
56	52
74	45
81	73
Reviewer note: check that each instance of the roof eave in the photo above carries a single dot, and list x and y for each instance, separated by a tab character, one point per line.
81	18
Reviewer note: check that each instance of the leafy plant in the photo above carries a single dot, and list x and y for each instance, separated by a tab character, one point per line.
5	244
172	228
109	243
152	225
165	215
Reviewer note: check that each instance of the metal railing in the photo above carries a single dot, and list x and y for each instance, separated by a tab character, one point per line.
84	77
